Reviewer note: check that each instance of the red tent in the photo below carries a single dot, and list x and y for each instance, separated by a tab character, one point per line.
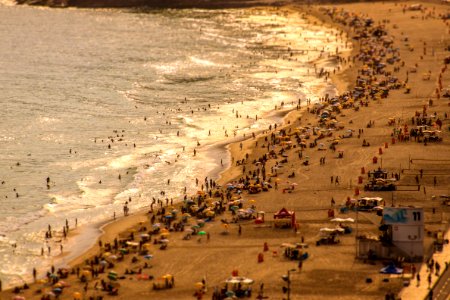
284	218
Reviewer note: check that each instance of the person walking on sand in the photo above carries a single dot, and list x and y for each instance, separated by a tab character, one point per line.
418	279
240	230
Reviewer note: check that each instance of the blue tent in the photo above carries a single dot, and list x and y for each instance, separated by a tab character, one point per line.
391	269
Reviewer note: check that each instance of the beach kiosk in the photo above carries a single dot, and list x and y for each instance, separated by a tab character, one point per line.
284	218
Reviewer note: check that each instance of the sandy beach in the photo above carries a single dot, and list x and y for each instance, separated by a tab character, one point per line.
325	182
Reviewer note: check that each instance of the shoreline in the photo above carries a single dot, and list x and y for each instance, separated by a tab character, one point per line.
115	227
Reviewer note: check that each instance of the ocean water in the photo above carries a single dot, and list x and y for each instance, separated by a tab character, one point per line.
91	95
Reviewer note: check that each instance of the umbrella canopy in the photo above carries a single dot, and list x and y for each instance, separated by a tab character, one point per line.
148	256
198	285
341	220
331	229
202	233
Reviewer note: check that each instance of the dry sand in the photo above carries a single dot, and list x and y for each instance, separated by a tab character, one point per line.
331	272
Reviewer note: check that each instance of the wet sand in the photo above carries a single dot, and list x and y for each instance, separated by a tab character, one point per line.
331	271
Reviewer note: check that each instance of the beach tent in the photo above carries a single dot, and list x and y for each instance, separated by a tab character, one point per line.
391	269
284	218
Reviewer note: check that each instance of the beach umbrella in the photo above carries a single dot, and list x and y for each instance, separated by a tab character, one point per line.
200	221
202	233
165	234
198	285
132	244
63	283
332	230
76	296
106	254
234	207
156	225
142	276
164	241
148	256
189	230
112	257
340	220
103	262
19	298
